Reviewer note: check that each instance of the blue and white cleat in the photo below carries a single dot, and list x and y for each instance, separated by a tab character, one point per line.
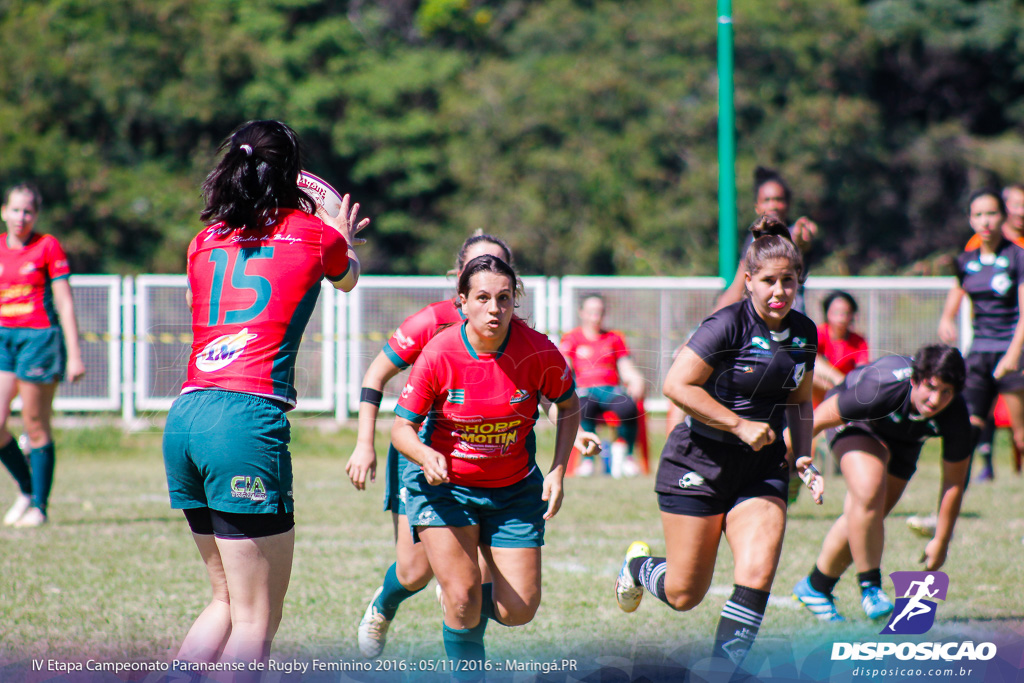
875	602
628	592
821	605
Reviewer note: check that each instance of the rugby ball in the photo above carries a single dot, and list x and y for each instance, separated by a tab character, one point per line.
321	192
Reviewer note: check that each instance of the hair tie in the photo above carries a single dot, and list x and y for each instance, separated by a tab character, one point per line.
247	149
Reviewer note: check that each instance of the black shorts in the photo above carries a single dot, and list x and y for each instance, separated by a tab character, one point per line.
903	455
981	388
699	476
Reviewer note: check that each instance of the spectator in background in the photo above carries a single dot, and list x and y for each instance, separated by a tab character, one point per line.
840	349
38	347
772	197
1013	227
607	380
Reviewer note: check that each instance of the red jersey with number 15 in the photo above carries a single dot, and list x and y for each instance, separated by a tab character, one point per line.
26	298
253	291
483	407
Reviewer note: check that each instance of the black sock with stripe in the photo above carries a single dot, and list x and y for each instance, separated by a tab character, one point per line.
649	572
741	619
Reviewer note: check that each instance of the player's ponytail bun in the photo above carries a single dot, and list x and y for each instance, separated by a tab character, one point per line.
256	176
772	241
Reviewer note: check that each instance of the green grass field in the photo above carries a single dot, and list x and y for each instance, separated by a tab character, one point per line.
115	574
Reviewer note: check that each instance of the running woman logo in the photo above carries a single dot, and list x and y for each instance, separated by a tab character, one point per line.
915	613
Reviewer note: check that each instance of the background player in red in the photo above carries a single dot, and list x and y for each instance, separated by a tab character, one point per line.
478	487
254	277
606	379
410	572
723	469
38	347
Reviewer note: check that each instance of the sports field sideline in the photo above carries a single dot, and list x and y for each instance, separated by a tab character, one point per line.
114	576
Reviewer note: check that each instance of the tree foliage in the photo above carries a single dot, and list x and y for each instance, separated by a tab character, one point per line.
584	131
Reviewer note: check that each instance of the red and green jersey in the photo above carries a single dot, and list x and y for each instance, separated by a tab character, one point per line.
483	407
26	297
405	345
253	291
595	361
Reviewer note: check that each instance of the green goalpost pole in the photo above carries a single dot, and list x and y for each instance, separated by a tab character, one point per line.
726	146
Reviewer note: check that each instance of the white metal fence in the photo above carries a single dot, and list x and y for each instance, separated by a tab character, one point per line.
136	333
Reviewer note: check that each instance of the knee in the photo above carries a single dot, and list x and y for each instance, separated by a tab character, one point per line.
463	602
414	573
868	504
520	612
683	600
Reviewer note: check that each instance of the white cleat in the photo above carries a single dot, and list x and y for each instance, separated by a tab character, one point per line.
373	629
21	505
33	517
585	468
628	592
923	525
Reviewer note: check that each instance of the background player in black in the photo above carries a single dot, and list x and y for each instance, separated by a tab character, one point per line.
993	277
877	420
723	470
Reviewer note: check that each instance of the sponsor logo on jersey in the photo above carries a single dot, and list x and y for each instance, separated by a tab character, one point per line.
745	369
518	396
457	396
973	267
403	341
798	373
223	351
799	342
761	343
15	292
566	373
27	268
406	391
250	488
487	435
903	373
1002	262
1001	283
690	479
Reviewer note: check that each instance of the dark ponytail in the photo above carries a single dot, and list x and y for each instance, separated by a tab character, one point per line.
255	177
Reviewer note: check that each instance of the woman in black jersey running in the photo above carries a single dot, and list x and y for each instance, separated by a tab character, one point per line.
877	419
724	469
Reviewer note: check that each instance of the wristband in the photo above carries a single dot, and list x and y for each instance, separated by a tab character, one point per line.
371	396
808	474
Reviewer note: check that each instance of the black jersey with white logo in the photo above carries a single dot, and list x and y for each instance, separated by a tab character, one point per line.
755	369
992	282
878	395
